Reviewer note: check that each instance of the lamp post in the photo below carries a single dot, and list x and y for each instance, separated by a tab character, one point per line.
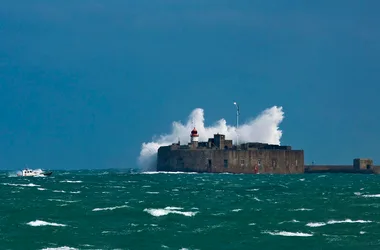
237	122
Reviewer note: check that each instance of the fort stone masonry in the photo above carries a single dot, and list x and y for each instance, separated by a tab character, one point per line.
218	155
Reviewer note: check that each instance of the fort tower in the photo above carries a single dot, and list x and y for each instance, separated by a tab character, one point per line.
194	137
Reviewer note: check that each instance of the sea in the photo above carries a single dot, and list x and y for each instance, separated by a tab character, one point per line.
120	209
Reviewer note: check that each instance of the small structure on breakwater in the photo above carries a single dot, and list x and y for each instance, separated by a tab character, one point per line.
359	166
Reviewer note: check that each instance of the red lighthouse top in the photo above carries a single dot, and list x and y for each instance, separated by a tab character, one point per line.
194	133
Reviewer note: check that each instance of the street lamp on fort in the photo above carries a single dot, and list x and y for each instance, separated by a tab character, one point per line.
237	122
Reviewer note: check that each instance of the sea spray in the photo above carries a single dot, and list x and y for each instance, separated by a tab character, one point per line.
264	128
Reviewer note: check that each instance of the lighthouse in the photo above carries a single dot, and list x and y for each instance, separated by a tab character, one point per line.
194	137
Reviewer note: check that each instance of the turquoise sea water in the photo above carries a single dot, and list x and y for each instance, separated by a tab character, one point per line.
118	210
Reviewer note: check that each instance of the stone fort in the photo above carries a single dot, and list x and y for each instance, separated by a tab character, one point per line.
218	155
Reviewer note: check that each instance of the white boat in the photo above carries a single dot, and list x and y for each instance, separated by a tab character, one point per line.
30	172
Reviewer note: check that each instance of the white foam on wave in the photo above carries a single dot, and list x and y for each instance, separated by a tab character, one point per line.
69	181
38	223
152	192
60	248
371	195
74	192
331	222
168	210
290	221
236	210
302	209
285	233
348	221
21	185
41	189
109	208
165	172
61	200
315	224
59	191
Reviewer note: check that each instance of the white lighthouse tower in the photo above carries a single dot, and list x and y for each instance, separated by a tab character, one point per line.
194	138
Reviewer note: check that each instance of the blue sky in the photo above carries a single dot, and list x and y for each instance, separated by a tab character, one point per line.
84	83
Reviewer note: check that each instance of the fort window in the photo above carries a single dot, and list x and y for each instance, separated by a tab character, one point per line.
226	163
274	163
259	161
209	163
241	162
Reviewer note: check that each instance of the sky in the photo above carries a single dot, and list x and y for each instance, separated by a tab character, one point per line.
83	84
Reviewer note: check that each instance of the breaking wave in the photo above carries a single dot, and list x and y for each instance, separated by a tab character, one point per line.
264	128
38	223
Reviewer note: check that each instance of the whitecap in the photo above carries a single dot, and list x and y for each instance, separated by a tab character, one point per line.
236	210
38	223
347	221
60	248
109	208
173	208
61	200
59	191
161	212
315	224
371	195
164	172
74	192
22	185
69	181
291	221
41	189
152	192
301	209
284	233
331	222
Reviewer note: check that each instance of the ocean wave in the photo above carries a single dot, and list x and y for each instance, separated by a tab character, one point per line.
168	210
371	195
285	233
165	172
59	191
60	248
315	224
289	221
109	208
38	223
331	222
69	181
236	210
21	185
301	209
62	200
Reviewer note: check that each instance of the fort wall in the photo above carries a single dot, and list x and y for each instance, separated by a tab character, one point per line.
230	160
